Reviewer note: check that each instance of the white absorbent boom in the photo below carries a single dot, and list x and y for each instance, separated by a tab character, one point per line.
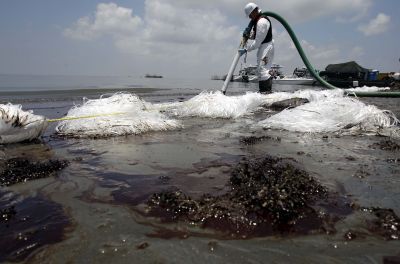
17	125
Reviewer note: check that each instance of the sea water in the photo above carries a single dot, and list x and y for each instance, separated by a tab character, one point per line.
184	134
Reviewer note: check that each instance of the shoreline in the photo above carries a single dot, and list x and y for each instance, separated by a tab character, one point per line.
109	180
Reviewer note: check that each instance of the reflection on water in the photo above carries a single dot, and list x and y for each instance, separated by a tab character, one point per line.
29	221
31	224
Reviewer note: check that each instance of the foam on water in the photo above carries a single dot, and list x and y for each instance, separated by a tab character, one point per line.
120	114
17	125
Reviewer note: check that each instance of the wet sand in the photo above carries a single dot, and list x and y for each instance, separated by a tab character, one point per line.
98	200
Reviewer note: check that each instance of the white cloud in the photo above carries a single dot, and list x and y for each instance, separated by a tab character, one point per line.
200	37
169	33
287	55
293	10
109	19
192	21
356	52
185	25
163	23
376	26
305	10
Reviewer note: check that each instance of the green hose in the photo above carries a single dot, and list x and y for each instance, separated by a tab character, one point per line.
312	70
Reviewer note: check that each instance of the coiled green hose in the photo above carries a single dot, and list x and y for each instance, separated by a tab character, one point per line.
311	68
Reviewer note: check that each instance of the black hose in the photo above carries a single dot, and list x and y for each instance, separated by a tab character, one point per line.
313	71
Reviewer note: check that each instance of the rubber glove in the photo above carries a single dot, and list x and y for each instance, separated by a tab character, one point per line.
246	33
247	30
242	51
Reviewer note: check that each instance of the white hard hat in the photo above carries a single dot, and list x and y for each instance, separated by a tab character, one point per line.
249	8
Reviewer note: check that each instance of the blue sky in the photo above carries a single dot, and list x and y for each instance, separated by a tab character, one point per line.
187	38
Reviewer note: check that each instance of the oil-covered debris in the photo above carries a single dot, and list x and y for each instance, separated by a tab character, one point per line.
18	170
143	245
350	158
267	196
212	246
393	160
288	103
165	233
254	140
388	145
27	225
350	235
396	86
7	214
391	260
386	224
362	172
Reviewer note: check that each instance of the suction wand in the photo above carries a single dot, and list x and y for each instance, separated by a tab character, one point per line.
233	66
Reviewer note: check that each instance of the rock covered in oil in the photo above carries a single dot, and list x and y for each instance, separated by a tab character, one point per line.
288	103
18	170
267	196
388	145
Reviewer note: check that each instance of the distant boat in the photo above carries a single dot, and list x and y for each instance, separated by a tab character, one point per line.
351	74
295	81
218	77
247	74
153	76
300	76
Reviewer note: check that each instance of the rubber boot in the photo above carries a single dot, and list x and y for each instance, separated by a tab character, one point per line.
265	87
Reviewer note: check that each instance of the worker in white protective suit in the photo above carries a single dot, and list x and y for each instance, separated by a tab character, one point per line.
260	31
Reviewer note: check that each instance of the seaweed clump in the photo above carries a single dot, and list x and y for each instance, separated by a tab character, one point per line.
252	140
386	224
7	214
388	145
267	196
18	170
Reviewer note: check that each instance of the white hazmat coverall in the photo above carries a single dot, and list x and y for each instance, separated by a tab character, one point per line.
265	53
